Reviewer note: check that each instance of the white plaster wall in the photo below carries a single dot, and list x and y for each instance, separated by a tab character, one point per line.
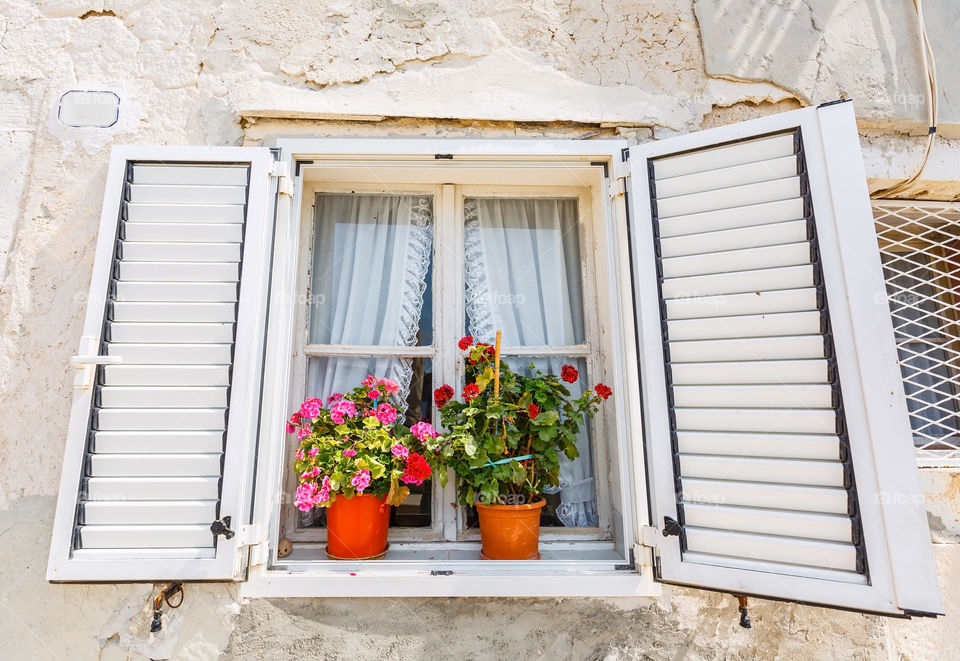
232	72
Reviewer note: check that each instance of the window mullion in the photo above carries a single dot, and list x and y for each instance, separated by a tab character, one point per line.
448	324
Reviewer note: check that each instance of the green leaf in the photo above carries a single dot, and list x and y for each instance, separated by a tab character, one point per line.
484	379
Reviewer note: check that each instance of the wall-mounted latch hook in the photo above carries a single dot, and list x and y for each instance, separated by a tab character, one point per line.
744	616
164	598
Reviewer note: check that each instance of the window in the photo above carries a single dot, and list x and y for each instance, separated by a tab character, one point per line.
920	245
426	265
758	441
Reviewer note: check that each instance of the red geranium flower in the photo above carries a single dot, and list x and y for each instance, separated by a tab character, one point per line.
417	469
569	373
603	391
442	395
465	342
470	391
534	411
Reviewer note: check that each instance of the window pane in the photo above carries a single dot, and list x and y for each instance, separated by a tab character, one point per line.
522	270
372	258
573	503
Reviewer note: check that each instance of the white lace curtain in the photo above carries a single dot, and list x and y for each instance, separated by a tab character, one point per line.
371	254
523	277
370	261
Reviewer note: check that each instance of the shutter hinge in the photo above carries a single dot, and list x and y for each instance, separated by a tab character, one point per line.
281	170
618	183
252	536
643	552
649	536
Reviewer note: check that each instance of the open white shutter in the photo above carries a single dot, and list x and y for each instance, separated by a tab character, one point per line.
778	444
166	400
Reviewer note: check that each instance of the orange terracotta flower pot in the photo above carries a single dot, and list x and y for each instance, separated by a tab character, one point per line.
510	532
357	527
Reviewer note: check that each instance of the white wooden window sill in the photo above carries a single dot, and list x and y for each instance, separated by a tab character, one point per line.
421	573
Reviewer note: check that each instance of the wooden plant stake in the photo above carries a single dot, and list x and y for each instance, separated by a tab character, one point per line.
496	368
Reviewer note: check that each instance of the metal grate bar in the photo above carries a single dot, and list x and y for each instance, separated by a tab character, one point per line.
920	248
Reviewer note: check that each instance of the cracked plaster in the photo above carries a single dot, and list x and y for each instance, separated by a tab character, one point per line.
219	73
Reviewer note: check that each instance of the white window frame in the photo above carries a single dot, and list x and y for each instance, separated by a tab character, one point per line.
625	577
448	525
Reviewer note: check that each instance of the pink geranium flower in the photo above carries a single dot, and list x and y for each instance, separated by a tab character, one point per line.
390	386
373	394
361	480
370	381
349	452
399	450
423	430
386	414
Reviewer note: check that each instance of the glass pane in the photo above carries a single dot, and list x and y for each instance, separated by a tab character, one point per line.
573	503
522	270
326	375
372	264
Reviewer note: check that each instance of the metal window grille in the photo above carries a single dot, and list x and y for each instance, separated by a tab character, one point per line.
920	249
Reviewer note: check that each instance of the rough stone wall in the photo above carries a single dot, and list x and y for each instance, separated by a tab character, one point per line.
232	72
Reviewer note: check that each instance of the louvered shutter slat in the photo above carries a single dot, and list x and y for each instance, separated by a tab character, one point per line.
184	312
156	251
189	333
184	213
737	239
734	218
735	305
122	489
827	527
136	398
741	397
790	254
185	272
186	232
773	348
164	375
747	444
144	536
771	548
126	442
180	353
206	292
185	194
729	198
164	512
786	497
155	465
742	282
179	419
766	325
167	433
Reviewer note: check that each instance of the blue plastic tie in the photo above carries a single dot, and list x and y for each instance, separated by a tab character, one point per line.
504	461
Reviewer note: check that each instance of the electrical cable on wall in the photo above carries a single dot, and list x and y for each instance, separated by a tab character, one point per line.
930	72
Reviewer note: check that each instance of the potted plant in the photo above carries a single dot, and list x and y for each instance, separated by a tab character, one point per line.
354	460
504	442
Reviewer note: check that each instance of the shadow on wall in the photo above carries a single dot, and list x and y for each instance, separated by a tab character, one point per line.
825	49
